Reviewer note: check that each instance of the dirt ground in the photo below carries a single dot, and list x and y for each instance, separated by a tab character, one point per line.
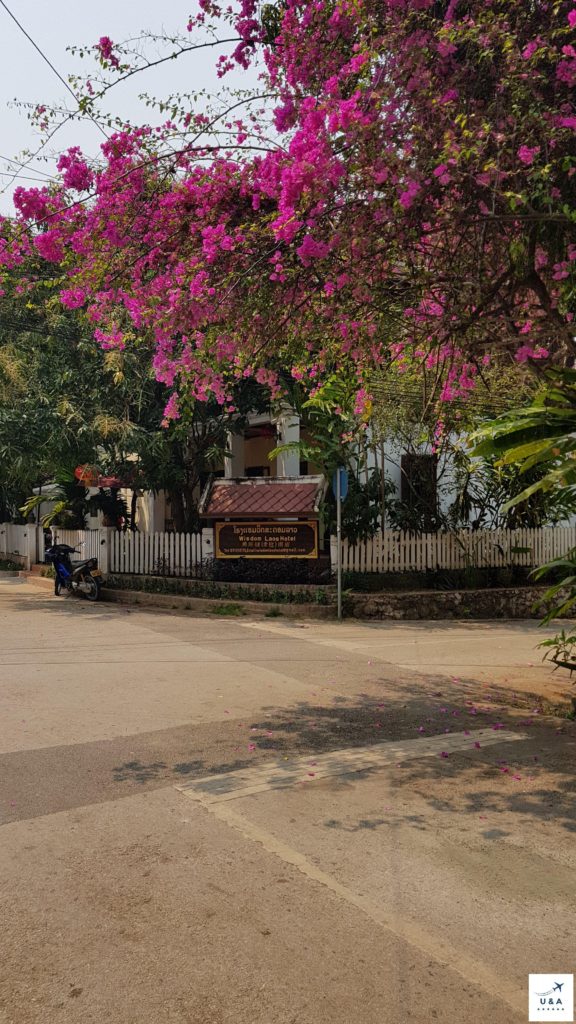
262	822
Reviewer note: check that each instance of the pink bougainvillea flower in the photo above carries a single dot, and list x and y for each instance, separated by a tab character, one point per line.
251	747
444	753
527	154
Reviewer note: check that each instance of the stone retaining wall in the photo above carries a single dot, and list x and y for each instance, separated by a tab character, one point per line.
504	603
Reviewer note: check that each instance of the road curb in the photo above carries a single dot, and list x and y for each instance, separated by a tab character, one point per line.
183	603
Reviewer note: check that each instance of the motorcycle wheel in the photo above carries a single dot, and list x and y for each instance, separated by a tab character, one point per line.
92	592
59	588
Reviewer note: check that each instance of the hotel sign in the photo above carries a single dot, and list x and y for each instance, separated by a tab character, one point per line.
267	540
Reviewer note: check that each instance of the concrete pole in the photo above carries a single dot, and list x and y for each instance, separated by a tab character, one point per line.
288	463
234	462
339	541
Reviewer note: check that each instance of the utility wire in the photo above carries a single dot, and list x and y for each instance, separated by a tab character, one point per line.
48	62
35	170
25	177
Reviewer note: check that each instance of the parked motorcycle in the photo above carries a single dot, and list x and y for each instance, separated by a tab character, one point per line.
78	578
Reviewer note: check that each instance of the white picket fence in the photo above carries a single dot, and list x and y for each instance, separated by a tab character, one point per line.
180	554
159	554
155	554
392	551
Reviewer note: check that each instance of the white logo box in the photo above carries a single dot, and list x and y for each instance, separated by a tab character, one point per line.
551	997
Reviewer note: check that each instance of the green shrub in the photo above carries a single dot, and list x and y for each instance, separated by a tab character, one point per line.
217	590
7	566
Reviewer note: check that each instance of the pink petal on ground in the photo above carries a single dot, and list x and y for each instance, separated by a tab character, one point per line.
251	746
517	777
421	728
312	775
444	754
477	745
378	725
466	732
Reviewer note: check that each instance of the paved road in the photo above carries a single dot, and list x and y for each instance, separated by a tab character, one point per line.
261	822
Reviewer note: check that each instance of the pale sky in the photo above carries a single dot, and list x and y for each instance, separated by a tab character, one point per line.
56	24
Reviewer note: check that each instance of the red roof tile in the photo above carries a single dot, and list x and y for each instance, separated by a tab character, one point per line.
263	497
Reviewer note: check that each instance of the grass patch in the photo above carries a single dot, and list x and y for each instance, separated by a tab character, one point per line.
273	613
227	609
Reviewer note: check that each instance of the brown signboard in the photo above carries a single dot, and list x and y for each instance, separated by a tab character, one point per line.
267	540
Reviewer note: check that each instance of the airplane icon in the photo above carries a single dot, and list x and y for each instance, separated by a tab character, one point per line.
558	986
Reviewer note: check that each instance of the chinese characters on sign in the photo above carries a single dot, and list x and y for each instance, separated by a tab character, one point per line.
267	540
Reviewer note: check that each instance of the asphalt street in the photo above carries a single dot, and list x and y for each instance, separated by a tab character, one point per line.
217	819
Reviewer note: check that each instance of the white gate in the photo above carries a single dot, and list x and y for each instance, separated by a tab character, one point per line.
155	554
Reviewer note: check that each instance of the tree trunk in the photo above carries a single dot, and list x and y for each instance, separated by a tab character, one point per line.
178	512
133	505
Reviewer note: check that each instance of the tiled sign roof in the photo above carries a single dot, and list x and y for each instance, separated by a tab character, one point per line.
262	497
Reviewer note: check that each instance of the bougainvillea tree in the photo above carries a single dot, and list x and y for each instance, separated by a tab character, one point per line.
412	197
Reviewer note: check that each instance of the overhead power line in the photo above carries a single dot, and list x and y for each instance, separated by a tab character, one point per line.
34	170
47	61
25	177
